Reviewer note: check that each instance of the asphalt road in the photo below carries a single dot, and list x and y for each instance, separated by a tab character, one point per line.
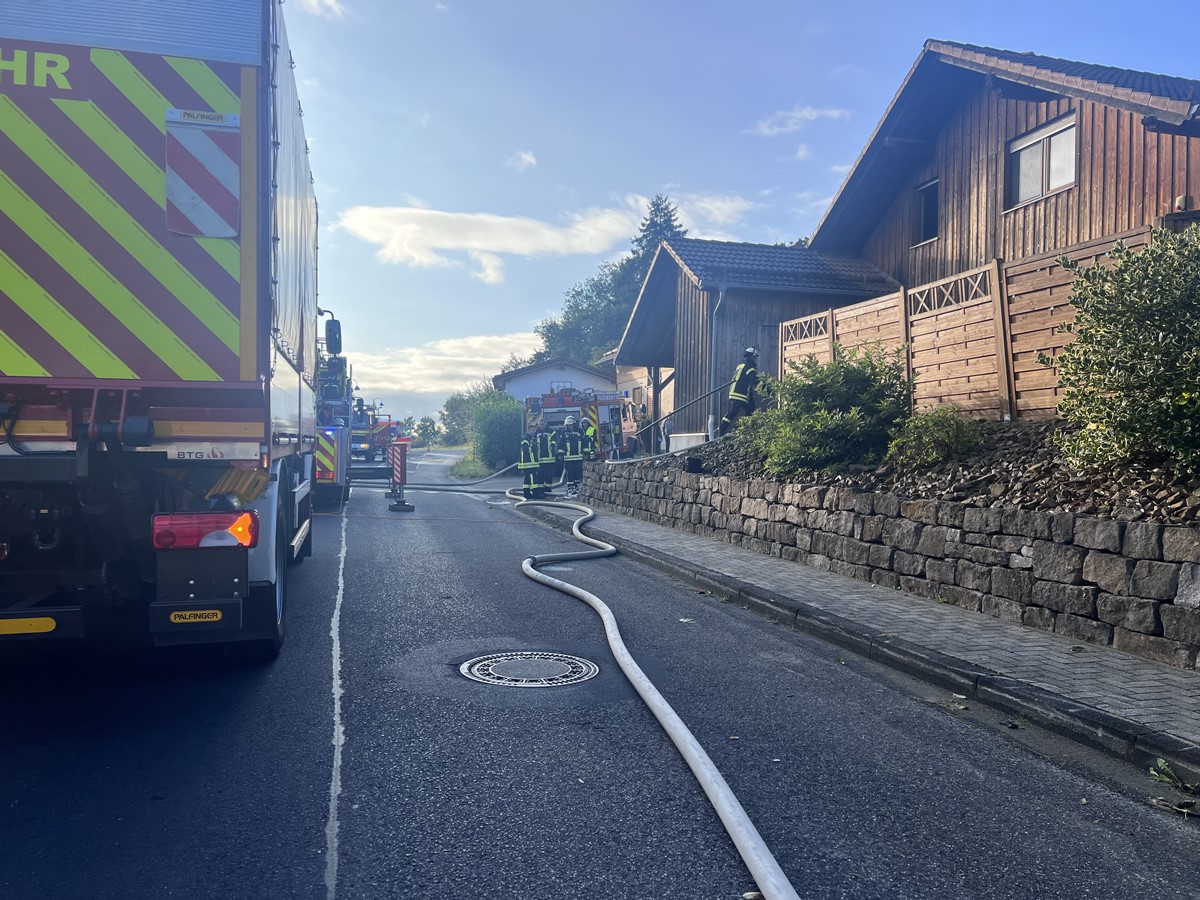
191	774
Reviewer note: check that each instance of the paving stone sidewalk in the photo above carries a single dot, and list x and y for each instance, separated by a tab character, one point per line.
1129	706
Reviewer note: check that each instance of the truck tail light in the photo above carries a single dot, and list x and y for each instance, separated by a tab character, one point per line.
187	531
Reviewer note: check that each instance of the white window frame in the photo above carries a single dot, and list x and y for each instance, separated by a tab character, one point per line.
921	188
1040	135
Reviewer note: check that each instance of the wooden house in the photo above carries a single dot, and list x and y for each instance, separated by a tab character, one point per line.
986	168
704	302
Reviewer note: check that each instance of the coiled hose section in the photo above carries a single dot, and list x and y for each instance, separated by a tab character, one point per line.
758	858
764	868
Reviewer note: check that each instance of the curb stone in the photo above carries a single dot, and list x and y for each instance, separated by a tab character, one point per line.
1118	736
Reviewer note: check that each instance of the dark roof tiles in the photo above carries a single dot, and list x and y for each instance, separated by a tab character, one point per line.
782	266
1106	81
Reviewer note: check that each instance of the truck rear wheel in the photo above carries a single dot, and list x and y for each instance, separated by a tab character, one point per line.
270	602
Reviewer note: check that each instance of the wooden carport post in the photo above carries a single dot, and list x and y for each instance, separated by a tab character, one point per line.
1004	360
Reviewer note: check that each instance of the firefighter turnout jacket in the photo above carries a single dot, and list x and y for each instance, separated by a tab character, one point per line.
570	444
745	377
544	447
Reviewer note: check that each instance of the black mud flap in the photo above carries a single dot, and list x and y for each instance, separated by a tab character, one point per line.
200	596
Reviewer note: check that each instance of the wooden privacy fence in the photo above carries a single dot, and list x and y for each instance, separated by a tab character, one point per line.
973	339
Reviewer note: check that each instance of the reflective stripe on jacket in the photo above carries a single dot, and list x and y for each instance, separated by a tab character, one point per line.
528	457
544	446
571	444
744	379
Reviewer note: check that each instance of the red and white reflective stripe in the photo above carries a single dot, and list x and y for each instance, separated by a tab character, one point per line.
203	180
398	459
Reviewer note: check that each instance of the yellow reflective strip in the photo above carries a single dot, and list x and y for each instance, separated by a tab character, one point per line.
110	215
43	428
59	323
248	251
189	429
32	625
101	284
105	134
133	84
206	83
92	121
15	361
225	251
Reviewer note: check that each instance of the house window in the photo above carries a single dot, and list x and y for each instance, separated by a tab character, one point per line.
1041	162
927	212
556	386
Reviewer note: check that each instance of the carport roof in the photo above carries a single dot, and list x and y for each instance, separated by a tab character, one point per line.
712	265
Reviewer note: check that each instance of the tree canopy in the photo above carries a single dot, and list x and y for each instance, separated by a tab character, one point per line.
596	310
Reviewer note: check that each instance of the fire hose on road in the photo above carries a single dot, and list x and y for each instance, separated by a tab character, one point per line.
765	870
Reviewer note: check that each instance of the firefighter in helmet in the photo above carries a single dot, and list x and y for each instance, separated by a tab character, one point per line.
528	467
741	392
571	447
544	449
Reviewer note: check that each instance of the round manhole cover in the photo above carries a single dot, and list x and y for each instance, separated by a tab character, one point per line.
529	669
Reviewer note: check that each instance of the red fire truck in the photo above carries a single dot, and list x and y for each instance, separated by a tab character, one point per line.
601	408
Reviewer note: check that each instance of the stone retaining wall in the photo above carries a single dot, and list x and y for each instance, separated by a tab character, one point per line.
1135	585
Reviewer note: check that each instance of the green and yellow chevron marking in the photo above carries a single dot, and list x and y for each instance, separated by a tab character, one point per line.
59	323
126	78
16	362
105	134
125	229
101	284
326	452
205	82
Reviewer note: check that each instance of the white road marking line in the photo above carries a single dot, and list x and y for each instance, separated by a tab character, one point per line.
339	734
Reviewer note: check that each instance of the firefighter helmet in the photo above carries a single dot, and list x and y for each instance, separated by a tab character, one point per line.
750	351
569	420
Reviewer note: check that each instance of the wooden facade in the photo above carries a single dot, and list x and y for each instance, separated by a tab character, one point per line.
957	270
1126	176
986	296
746	318
973	339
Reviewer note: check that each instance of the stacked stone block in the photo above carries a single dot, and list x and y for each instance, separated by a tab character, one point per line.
1134	585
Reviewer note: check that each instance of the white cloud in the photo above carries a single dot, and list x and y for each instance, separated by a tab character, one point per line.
706	210
522	160
491	266
792	120
329	9
802	153
438	367
422	237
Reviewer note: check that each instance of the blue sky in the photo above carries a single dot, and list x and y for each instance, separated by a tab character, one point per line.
474	159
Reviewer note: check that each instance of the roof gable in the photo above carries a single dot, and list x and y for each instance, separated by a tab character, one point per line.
713	265
941	76
499	381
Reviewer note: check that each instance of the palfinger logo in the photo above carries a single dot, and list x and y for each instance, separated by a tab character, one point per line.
189	616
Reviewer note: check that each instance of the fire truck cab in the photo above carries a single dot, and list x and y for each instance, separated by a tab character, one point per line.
601	408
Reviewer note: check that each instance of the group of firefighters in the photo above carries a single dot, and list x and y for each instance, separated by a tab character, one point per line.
548	455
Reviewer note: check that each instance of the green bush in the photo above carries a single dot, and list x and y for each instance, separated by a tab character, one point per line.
933	436
496	429
1131	377
834	414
